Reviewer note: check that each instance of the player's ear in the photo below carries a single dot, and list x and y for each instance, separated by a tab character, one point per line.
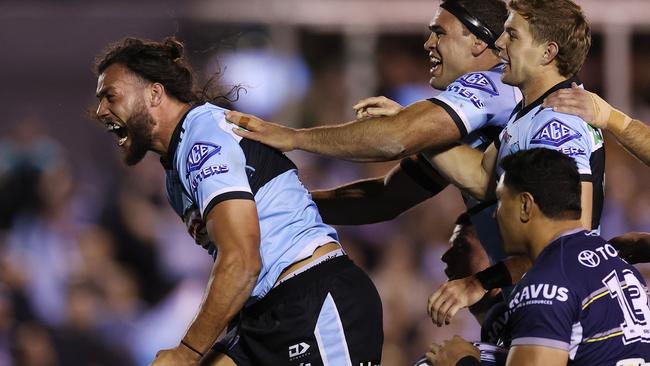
526	202
478	47
550	53
156	92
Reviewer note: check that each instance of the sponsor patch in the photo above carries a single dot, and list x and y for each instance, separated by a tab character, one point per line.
572	151
589	259
555	133
199	154
538	294
467	94
206	173
479	81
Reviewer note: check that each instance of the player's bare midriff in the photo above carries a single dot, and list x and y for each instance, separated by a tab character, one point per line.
318	253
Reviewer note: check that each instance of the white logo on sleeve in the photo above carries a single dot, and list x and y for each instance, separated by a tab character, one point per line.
589	259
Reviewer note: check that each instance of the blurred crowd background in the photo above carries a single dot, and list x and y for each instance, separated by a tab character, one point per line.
96	269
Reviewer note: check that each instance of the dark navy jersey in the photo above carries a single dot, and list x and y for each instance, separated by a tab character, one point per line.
210	164
581	297
480	105
534	126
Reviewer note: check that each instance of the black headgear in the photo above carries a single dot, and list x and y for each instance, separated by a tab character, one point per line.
475	25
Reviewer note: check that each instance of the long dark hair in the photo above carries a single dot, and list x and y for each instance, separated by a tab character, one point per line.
164	63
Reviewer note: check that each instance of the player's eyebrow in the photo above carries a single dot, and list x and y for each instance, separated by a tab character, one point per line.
102	93
436	28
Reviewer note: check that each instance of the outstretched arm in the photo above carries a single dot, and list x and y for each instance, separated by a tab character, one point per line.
378	138
379	199
633	134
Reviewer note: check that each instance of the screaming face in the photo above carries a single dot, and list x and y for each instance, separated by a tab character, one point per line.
123	112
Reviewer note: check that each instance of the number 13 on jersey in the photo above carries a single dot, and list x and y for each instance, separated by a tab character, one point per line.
633	300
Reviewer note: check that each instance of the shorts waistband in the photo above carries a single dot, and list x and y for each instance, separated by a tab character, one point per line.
301	281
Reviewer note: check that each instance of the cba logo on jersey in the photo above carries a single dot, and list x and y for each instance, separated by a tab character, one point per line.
199	154
479	81
555	133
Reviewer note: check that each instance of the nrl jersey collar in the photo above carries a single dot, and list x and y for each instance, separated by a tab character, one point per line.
167	161
520	111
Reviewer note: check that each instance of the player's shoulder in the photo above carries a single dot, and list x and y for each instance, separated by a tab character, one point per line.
485	81
208	121
584	256
204	116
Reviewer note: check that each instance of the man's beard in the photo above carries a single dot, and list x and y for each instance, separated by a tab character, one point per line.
140	130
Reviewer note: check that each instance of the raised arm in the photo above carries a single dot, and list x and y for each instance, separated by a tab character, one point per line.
633	134
234	226
379	199
417	127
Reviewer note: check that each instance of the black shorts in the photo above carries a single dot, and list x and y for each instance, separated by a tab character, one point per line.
328	315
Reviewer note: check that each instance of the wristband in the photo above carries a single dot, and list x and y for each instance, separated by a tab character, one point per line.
496	276
468	361
191	348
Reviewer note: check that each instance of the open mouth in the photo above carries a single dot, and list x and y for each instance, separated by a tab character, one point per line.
436	62
119	131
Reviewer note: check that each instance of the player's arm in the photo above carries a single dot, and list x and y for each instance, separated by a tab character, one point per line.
379	199
536	356
633	134
634	247
454	295
468	169
234	226
379	138
586	202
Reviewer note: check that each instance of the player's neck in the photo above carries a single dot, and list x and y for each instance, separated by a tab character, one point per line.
167	118
546	231
533	88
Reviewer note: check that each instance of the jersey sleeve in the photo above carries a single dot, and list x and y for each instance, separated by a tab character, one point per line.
212	164
543	314
567	134
474	100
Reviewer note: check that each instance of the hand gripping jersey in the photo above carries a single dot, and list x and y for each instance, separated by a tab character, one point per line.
210	164
480	104
579	296
535	126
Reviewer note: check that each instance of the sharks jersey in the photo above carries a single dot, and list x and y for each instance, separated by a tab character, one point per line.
581	297
535	126
480	104
209	164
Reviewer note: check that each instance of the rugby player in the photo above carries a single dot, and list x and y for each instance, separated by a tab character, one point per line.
278	271
580	303
475	106
544	45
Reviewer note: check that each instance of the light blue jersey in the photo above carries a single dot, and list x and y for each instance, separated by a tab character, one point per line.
534	127
479	100
211	164
480	104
